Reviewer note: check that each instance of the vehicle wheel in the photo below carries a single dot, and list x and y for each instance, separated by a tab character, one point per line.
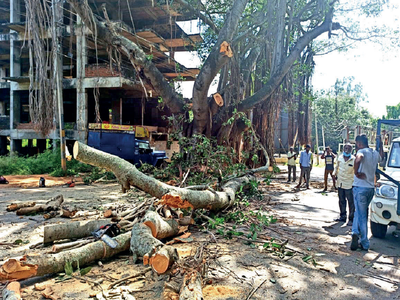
378	230
162	164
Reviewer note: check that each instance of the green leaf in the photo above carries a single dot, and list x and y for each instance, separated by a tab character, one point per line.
68	268
272	280
85	271
307	258
18	242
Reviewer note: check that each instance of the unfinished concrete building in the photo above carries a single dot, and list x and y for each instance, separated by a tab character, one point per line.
88	76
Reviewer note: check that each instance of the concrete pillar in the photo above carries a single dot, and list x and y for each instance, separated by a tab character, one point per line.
15	146
81	95
3	145
15	71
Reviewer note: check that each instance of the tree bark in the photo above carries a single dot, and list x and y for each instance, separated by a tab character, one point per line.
128	175
51	205
144	245
192	287
39	265
71	230
16	206
12	291
160	228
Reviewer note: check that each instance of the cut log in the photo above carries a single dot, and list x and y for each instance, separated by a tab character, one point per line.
109	213
177	212
191	287
163	259
12	291
185	221
143	244
39	265
128	175
71	230
66	213
160	228
51	205
16	206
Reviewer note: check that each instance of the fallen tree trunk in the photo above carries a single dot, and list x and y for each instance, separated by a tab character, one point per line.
154	252
172	196
51	205
71	230
160	228
16	206
12	291
39	265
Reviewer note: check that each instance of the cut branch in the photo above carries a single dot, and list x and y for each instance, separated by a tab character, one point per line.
39	265
128	176
52	205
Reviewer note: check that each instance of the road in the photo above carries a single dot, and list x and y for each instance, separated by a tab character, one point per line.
368	275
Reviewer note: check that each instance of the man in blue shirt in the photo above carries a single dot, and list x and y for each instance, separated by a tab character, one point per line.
305	166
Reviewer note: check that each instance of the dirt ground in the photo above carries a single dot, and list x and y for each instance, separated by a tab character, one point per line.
304	219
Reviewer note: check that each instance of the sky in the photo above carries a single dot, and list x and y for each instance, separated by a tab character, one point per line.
377	70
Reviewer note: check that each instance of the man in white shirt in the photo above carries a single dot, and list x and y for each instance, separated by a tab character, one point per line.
292	156
305	166
363	189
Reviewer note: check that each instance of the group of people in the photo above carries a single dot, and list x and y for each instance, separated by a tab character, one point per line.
353	177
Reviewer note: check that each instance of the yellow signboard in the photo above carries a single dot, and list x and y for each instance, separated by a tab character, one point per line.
139	131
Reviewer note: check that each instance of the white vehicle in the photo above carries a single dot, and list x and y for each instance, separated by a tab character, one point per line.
385	210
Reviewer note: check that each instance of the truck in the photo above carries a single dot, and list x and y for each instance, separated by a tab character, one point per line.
126	145
385	206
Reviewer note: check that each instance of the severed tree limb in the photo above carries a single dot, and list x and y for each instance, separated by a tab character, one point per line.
154	252
160	228
71	230
16	206
51	205
39	265
129	277
176	197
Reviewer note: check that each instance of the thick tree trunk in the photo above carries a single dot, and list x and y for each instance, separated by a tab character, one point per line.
39	265
71	230
128	175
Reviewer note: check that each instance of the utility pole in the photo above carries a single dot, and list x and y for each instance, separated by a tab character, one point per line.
58	73
316	137
323	137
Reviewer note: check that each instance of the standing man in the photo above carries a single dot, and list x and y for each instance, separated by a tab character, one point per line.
363	189
329	157
292	156
305	166
344	173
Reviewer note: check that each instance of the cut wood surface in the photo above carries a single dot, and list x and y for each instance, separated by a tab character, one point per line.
128	175
71	230
16	206
160	228
12	291
144	245
39	265
51	205
192	287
